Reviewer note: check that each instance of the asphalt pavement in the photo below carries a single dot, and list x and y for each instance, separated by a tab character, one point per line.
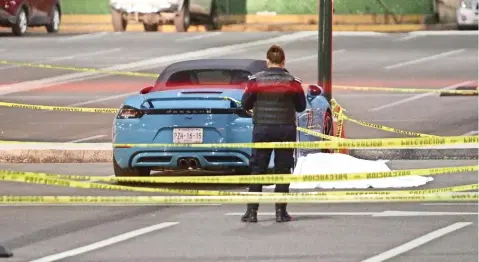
333	232
387	60
321	232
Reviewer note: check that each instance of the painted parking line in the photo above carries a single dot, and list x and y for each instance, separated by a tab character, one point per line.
69	57
106	242
417	242
424	59
471	133
199	36
86	139
309	57
417	97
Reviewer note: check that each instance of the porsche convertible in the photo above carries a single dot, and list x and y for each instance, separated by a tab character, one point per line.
197	101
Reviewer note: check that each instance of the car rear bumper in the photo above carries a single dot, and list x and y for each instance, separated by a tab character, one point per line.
207	159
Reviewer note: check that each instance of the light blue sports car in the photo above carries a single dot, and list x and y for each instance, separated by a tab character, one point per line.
197	101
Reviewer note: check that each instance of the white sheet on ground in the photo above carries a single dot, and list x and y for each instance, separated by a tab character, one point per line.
324	163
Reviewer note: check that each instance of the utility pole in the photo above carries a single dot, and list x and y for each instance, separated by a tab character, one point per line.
325	42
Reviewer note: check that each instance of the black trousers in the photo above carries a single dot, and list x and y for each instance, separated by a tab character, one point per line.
260	158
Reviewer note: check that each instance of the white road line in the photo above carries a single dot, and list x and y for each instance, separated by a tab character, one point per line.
373	214
405	38
200	36
86	139
105	243
470	133
311	214
101	52
416	97
445	33
149	63
93	181
103	205
417	242
450	204
82	37
315	56
102	99
424	59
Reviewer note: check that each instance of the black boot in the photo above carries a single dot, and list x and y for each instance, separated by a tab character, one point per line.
281	213
251	215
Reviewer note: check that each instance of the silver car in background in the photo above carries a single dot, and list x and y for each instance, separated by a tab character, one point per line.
467	13
153	13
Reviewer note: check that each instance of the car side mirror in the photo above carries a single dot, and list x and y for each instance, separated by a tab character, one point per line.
314	90
146	90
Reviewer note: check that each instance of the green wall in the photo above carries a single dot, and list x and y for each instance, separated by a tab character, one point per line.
278	6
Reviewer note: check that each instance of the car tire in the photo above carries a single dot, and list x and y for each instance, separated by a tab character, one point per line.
54	25
150	27
119	23
129	172
21	24
328	129
182	19
214	23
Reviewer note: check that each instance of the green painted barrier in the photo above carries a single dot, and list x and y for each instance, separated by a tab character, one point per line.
289	7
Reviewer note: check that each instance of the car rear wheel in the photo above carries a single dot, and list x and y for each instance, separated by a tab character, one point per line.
182	19
129	172
328	129
214	20
119	23
54	25
150	27
21	24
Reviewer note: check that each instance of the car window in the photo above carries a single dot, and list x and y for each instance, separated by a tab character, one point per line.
208	76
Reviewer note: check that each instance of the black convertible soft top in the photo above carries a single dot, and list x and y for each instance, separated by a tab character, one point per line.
250	65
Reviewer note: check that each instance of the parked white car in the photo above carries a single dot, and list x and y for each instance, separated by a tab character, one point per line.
153	13
467	14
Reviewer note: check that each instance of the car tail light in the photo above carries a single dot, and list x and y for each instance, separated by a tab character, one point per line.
128	112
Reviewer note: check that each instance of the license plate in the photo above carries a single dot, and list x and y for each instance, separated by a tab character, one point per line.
188	135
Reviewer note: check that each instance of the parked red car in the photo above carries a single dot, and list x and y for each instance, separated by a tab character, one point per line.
21	14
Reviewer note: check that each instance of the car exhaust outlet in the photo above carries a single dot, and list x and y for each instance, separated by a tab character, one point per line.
183	163
193	163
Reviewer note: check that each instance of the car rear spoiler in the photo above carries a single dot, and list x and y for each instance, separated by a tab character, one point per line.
235	107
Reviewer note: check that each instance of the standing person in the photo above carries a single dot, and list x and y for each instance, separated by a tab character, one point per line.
275	96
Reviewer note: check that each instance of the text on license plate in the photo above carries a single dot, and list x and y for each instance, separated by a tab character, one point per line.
187	135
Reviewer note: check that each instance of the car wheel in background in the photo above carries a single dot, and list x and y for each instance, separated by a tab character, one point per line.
119	23
328	129
150	27
21	24
54	25
127	172
214	19
182	19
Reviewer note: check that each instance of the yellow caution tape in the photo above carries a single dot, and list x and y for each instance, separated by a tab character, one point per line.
260	179
350	143
48	180
449	196
385	128
61	108
346	143
153	75
318	134
406	90
79	69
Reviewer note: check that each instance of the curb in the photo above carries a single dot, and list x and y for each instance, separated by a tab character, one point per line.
372	19
95	28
